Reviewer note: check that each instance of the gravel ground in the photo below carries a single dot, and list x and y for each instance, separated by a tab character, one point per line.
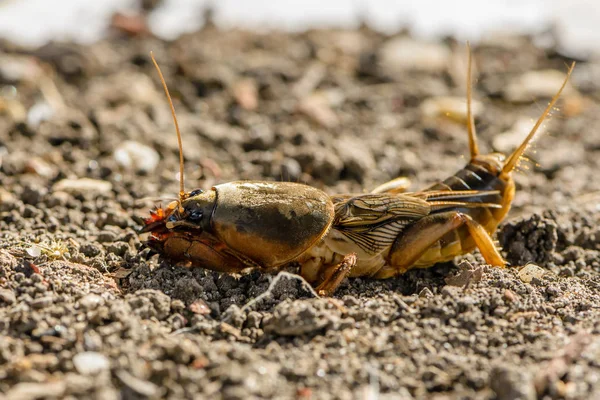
87	146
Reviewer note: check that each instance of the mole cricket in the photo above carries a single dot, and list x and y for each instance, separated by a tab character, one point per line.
265	225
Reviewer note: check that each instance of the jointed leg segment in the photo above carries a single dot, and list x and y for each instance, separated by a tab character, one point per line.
335	274
415	241
397	185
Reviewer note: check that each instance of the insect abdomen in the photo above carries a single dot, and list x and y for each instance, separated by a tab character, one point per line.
476	177
459	241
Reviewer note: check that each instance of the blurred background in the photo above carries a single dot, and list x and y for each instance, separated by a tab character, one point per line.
35	21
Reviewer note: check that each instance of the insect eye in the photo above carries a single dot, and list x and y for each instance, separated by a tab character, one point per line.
196	192
195	216
172	218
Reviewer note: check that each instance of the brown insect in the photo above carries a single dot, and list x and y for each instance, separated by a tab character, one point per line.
268	225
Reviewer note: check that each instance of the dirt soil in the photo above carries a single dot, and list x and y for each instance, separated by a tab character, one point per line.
87	146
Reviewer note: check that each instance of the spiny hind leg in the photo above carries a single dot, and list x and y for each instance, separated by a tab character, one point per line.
333	275
397	185
424	234
485	243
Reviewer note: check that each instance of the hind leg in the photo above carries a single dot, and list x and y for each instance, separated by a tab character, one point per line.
423	235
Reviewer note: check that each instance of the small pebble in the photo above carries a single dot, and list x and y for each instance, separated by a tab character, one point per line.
531	271
142	387
40	167
510	296
8	201
118	248
290	170
32	390
31	211
136	156
91	363
245	93
260	137
318	106
91	249
91	301
34	250
253	319
82	186
106	237
234	316
7	296
56	199
33	194
39	112
454	108
20	68
199	307
509	383
535	85
42	302
397	56
357	158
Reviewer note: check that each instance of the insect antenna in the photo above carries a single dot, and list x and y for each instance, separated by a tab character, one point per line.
512	161
181	186
525	163
470	119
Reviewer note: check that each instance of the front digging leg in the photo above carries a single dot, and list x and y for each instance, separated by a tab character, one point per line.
335	274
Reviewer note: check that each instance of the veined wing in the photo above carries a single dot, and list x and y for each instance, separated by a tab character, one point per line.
374	221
